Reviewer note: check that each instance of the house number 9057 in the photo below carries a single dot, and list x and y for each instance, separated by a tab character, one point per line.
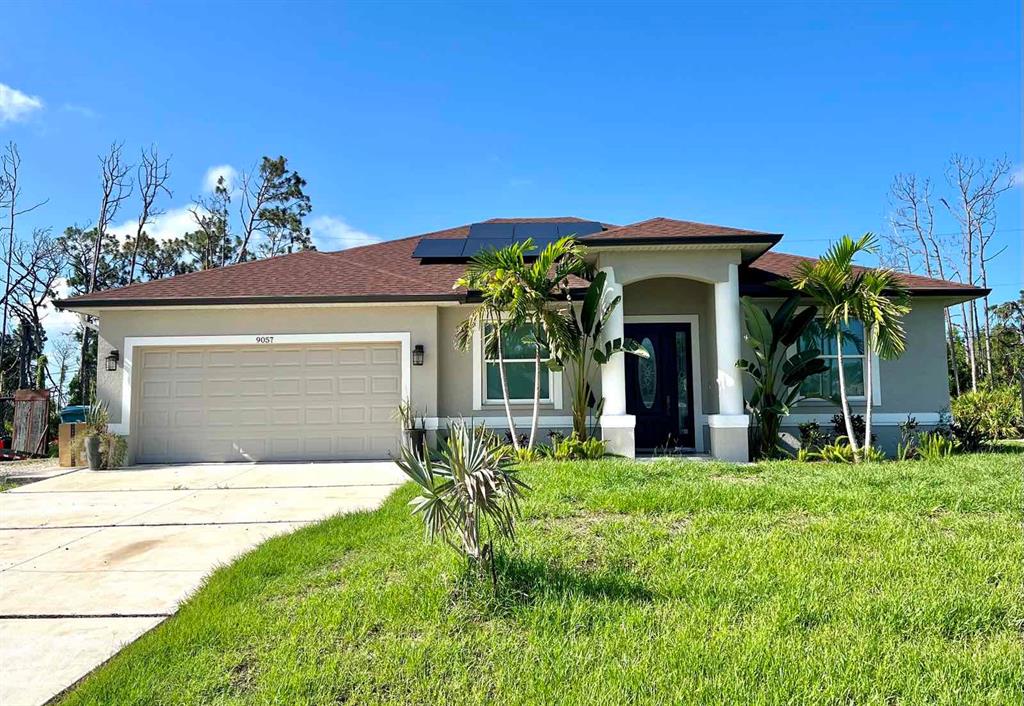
264	339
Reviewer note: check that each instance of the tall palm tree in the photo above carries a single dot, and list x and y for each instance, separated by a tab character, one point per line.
882	302
833	284
875	297
544	280
496	275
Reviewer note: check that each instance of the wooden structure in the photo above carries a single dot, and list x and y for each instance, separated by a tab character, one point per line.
31	422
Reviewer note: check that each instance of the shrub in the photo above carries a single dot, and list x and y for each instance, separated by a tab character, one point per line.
859	426
907	447
935	445
840	451
573	448
811	436
994	414
469	493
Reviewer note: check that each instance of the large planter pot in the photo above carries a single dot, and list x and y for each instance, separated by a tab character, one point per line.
92	453
417	440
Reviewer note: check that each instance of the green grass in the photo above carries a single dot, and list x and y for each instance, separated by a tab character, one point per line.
667	582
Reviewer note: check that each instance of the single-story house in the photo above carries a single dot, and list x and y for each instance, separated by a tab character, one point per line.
307	356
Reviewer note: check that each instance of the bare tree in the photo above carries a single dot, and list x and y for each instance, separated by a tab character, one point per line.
976	186
10	192
38	267
115	189
152	177
915	246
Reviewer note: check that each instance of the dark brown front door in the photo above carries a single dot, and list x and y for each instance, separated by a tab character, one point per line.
659	388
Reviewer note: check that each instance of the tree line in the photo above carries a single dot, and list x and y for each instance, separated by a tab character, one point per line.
983	340
260	216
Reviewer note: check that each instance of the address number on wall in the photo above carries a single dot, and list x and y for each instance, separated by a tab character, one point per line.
264	339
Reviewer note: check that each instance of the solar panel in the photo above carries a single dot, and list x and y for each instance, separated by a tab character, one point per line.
536	230
439	248
579	229
475	245
492	230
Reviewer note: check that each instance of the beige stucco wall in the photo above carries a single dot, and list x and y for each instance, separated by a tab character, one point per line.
455	387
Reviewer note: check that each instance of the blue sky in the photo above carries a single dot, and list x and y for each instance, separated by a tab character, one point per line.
410	117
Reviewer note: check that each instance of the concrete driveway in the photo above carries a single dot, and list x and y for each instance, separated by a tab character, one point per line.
91	560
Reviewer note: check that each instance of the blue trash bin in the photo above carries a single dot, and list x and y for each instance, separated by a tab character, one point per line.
72	414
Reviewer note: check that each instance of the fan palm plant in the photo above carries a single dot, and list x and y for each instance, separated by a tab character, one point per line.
469	495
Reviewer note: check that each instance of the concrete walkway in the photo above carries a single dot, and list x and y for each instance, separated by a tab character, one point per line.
91	560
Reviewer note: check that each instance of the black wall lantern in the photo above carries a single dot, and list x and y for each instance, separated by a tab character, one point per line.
417	354
111	360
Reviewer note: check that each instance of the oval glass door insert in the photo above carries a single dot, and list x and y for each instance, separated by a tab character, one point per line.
647	370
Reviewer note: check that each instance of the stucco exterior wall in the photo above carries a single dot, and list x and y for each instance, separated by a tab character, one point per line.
916	382
455	386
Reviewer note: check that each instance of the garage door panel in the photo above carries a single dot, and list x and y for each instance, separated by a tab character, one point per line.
291	402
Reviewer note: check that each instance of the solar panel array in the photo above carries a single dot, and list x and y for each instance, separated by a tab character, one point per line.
498	235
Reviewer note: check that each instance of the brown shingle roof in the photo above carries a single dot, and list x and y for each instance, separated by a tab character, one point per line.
387	272
758	276
670	229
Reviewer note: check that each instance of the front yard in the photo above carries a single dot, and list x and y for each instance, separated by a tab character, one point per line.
662	582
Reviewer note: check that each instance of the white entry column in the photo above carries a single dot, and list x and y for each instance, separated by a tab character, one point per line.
729	426
616	426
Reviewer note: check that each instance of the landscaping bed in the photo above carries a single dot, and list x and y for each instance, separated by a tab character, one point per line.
657	582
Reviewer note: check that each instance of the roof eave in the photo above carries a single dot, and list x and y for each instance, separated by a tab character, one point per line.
74	304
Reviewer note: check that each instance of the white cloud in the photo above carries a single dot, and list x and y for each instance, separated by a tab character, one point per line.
15	105
331	233
55	321
1018	176
229	173
173	223
81	110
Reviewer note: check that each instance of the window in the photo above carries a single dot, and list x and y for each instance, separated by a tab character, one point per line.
826	384
518	351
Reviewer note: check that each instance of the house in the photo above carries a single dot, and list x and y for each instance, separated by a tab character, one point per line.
306	356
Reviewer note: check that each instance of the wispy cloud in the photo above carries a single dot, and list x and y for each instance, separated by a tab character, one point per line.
332	233
1018	176
16	106
173	223
80	110
229	173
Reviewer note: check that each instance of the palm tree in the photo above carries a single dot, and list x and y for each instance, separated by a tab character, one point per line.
882	302
543	281
495	274
833	284
875	297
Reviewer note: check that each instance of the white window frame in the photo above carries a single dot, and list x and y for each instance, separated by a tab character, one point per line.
876	386
480	398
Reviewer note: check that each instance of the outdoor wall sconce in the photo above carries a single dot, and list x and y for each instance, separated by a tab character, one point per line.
417	354
111	360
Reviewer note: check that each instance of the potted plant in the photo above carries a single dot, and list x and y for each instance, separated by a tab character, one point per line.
415	436
96	419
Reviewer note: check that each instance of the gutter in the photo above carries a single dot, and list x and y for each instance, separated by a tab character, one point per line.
220	301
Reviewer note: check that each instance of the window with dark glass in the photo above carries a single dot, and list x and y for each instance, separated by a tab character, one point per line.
518	352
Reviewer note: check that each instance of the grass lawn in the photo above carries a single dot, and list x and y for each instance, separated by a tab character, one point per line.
664	582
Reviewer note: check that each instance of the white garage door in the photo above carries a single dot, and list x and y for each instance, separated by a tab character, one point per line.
280	403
